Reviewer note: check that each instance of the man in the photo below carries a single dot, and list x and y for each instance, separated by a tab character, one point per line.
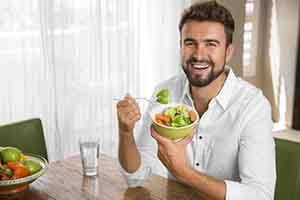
231	154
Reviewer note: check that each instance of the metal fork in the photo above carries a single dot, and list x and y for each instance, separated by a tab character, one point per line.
136	98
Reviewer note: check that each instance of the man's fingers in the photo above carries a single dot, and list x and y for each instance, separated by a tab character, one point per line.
127	109
127	100
128	112
186	140
135	118
123	103
161	158
132	114
130	99
165	141
130	117
159	148
160	139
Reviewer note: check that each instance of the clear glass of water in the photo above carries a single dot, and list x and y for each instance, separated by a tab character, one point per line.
89	153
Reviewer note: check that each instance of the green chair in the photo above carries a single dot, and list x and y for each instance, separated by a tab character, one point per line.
288	170
26	135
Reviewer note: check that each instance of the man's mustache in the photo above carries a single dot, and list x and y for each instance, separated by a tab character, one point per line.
194	60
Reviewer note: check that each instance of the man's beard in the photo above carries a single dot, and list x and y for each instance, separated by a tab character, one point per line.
196	80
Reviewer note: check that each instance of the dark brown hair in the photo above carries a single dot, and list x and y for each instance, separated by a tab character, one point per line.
209	11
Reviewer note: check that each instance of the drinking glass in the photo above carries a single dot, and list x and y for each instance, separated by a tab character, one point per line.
89	154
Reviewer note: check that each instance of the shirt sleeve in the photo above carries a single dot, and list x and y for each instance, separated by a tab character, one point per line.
256	158
138	177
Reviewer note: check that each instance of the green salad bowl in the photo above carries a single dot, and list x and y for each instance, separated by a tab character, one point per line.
173	133
11	189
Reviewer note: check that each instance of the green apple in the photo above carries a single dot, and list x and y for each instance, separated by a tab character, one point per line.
10	154
32	166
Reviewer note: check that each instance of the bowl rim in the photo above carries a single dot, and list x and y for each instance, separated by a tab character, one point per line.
28	179
172	105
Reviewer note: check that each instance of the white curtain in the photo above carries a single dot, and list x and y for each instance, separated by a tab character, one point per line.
65	60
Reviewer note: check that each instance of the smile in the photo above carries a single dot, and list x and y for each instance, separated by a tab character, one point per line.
200	65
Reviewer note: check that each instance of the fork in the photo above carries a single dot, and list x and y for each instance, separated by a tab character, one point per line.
136	98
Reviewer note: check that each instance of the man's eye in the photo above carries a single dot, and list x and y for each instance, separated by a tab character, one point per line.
189	44
211	44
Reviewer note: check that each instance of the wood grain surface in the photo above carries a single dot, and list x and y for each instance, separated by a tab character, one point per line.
64	181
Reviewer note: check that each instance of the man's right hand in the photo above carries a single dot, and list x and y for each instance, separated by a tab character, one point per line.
128	113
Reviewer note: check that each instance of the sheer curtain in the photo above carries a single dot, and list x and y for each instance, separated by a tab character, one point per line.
65	60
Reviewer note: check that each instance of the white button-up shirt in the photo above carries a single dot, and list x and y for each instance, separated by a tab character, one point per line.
233	141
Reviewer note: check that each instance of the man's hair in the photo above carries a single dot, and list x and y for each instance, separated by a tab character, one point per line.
209	11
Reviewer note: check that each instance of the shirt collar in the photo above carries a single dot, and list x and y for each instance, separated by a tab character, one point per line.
227	90
225	93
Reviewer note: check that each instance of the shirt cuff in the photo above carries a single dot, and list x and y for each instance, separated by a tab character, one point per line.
236	190
230	190
138	177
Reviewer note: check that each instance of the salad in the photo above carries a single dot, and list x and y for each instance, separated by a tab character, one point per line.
178	116
14	164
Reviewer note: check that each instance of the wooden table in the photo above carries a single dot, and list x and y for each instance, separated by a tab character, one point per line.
64	181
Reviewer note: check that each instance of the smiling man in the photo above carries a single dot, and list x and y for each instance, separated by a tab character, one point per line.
204	51
231	154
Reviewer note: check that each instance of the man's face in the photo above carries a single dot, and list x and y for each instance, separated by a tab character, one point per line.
203	51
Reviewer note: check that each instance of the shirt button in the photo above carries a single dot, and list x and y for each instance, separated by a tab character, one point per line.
197	164
200	137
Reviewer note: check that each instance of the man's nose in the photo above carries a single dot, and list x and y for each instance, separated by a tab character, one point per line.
200	52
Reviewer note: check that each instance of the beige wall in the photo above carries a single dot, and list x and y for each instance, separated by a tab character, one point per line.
277	44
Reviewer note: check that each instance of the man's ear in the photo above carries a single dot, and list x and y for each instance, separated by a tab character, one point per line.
229	52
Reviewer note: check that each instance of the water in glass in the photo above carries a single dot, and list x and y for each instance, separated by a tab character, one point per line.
89	151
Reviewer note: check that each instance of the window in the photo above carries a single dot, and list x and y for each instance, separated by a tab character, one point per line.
250	38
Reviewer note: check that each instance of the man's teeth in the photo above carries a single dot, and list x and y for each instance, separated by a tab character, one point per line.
200	66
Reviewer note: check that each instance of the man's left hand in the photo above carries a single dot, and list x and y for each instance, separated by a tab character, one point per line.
173	154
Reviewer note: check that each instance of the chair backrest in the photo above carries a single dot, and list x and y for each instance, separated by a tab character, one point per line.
288	170
26	135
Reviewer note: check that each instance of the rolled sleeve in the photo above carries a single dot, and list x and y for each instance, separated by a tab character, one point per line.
236	191
138	177
147	149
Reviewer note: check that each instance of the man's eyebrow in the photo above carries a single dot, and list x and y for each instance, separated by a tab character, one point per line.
204	40
212	40
189	40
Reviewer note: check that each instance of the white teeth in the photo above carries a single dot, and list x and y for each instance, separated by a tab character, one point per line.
200	66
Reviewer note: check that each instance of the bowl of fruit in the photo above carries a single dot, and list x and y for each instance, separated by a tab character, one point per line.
174	120
18	170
